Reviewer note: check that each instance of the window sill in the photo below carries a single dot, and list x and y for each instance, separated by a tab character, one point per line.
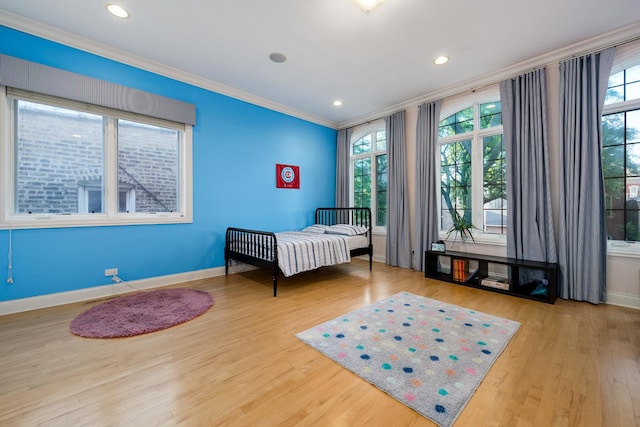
480	238
623	249
94	220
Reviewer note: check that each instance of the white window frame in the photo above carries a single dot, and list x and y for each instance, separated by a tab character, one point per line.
453	106
621	247
111	216
355	136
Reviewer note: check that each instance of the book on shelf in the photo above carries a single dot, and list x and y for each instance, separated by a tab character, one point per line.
496	282
460	269
472	275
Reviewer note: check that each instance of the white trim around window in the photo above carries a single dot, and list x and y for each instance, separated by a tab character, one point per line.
451	106
110	215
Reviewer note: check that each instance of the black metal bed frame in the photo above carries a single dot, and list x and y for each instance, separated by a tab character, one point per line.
260	248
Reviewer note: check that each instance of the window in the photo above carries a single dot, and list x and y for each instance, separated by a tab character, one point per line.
472	167
77	164
369	172
621	154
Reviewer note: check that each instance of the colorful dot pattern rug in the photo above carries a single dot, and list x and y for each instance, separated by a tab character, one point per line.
427	354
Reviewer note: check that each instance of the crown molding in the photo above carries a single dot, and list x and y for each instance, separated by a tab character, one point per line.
39	29
616	37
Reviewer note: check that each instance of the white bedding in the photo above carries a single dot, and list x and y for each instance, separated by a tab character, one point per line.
299	251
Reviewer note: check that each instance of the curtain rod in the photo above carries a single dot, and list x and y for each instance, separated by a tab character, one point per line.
374	120
495	82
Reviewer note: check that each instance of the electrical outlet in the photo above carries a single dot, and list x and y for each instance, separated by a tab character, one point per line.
111	272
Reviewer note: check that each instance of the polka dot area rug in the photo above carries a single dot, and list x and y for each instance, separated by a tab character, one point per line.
427	354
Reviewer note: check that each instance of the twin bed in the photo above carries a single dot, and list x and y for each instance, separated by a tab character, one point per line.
337	235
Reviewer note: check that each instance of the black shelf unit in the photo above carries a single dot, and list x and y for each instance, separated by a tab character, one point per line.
527	279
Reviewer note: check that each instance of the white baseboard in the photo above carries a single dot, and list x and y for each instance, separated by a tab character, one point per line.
110	290
107	291
623	300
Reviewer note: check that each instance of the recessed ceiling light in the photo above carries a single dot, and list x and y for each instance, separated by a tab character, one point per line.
118	11
277	57
441	60
337	103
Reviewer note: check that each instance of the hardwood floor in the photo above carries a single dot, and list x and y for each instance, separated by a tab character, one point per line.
240	364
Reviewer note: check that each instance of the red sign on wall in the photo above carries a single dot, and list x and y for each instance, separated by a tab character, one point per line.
287	176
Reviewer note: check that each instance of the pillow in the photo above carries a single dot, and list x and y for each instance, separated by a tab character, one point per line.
315	229
346	229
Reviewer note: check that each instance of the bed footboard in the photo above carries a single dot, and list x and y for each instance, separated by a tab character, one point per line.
258	248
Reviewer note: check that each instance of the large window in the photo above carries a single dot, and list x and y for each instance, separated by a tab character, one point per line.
621	154
76	164
472	165
369	172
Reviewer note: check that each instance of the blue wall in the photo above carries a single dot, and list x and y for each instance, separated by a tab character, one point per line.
235	148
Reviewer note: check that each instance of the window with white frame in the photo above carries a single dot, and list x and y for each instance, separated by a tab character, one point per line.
69	163
621	152
369	172
472	167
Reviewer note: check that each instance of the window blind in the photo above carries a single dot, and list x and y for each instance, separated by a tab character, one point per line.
21	74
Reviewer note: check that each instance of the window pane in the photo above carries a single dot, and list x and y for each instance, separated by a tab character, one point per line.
465	126
615	225
455	171
613	161
448	175
148	167
447	154
463	152
614	191
494	172
362	182
495	221
381	190
363	145
490	108
632	74
613	129
465	115
449	120
633	126
632	91
59	157
381	140
493	148
633	160
614	94
490	115
616	79
461	122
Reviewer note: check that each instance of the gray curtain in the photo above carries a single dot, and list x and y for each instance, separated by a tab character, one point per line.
398	237
427	183
582	244
530	232
342	168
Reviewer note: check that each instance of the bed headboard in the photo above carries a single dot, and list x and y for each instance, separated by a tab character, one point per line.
353	216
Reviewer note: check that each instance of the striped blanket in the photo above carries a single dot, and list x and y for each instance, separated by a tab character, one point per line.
299	251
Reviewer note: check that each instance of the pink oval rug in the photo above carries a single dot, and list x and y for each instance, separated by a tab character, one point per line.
141	313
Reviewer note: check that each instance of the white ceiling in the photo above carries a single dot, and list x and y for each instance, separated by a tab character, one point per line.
371	62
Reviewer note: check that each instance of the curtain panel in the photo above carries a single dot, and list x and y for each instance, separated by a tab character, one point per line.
582	244
398	252
343	198
427	183
530	233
